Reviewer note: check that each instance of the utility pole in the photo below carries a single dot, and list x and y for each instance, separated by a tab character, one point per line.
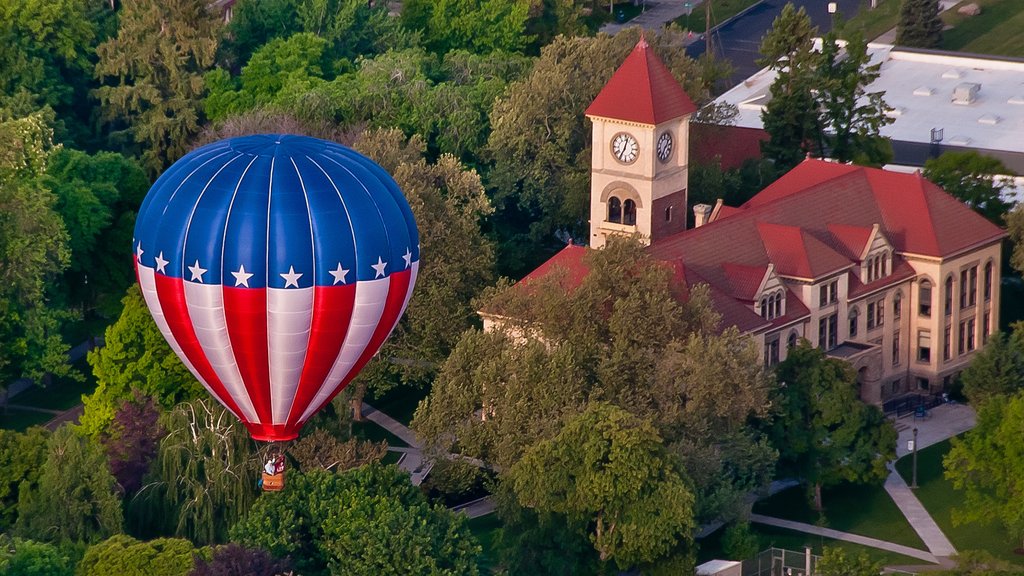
707	29
913	483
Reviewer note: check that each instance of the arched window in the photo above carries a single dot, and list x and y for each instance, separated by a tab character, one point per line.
778	304
988	281
854	316
764	308
925	298
949	296
897	306
629	213
791	341
614	210
879	266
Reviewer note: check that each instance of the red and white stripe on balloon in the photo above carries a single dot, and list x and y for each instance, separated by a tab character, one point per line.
275	266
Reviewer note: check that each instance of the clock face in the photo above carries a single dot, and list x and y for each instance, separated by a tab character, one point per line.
625	148
664	146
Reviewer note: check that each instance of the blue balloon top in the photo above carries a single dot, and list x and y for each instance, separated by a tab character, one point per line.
275	211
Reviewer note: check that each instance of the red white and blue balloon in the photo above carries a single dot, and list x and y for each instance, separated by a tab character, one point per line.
275	266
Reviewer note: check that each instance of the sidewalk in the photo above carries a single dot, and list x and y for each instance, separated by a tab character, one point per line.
656	15
917	516
845	536
412	458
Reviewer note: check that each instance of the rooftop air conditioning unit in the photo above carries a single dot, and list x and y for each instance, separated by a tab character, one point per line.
966	92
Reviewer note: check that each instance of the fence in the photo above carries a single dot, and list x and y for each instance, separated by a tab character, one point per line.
908	404
781	562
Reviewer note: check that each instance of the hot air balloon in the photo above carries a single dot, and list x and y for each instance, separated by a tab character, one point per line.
275	266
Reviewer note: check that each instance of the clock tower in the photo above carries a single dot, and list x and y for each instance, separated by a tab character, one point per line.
638	176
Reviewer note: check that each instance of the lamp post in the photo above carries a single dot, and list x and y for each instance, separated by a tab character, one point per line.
913	483
833	7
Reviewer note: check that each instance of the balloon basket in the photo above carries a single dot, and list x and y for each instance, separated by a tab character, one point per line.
273	482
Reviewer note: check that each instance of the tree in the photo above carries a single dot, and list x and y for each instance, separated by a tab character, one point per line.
29	558
997	371
609	471
22	455
126	556
819	102
822	430
980	563
131	441
205	473
319	450
987	465
974	179
134	357
153	70
835	562
919	25
540	141
479	25
235	560
76	499
365	521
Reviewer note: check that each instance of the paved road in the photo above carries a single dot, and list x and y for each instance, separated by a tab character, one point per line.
739	39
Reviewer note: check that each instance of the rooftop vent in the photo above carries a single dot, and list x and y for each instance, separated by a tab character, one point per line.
936	136
924	91
953	74
959	140
966	93
895	112
1016	100
989	120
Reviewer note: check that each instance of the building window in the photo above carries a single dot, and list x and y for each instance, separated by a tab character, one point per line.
876	313
897	306
629	213
853	322
949	296
963	338
922	383
985	322
828	293
828	338
925	298
778	304
791	341
988	281
614	210
924	346
970	334
771	352
972	286
764	308
668	214
896	348
947	344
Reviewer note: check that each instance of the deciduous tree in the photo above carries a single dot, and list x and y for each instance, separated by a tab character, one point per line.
126	556
609	471
235	560
997	371
836	562
131	441
22	455
319	450
76	499
974	179
30	558
478	25
823	432
987	465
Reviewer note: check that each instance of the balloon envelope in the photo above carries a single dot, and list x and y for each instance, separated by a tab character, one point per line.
275	266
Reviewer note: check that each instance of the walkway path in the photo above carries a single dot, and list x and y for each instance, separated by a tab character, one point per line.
412	458
919	518
656	15
845	536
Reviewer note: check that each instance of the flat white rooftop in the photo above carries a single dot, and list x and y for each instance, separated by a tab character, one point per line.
919	86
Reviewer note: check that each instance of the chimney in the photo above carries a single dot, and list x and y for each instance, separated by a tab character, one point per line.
701	214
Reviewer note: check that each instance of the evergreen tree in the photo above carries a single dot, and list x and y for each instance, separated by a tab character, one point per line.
919	25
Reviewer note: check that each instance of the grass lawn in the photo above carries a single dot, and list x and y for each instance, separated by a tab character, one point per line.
872	23
65	392
939	498
721	11
21	419
485	528
400	402
769	536
997	30
858	509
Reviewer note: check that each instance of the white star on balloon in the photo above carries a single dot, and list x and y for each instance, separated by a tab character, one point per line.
161	264
197	272
291	278
379	267
242	277
339	274
407	258
138	252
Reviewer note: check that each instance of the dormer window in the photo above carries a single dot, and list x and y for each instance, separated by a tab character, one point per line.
771	306
876	267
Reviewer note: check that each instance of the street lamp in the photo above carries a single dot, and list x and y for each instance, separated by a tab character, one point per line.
833	7
913	483
689	8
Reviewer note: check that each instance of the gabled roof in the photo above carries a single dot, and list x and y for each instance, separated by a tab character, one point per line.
744	280
798	254
642	90
850	241
568	260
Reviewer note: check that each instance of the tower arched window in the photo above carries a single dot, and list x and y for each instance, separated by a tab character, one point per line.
614	210
629	213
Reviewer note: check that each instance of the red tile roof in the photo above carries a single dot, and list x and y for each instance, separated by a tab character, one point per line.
744	280
642	90
850	241
569	261
731	146
796	253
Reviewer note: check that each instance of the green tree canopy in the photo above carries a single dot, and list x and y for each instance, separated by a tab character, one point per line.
974	179
135	357
823	432
919	25
365	521
152	75
30	558
478	25
126	556
836	562
22	455
987	465
76	499
997	371
609	471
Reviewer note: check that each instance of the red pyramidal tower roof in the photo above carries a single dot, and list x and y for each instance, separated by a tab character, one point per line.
642	90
